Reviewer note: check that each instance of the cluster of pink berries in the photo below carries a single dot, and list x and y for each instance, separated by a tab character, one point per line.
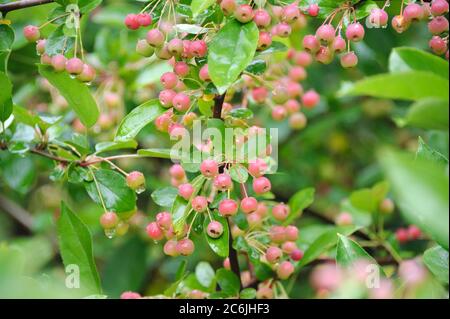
74	66
404	235
328	41
433	12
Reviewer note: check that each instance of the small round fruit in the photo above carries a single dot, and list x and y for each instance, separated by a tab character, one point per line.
280	212
59	62
109	220
209	168
31	33
135	180
186	190
244	13
261	185
185	247
199	204
214	229
349	60
228	207
285	270
249	205
154	232
273	254
74	66
355	32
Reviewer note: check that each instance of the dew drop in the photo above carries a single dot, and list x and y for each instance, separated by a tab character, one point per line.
110	232
140	190
73	76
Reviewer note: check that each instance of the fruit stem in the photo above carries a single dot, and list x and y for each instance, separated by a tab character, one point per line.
22	4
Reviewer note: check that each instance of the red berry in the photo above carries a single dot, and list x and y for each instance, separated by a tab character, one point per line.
378	18
59	62
344	219
185	247
163	52
130	295
74	66
311	43
181	69
280	94
228	6
199	204
40	46
292	106
291	13
31	33
288	247
324	55
414	232
400	24
280	212
144	19
284	30
438	25
273	254
326	33
204	73
355	32
285	270
244	13
175	47
209	168
387	206
313	10
413	12
169	80
349	60
439	7
170	248
249	205
279	113
131	21
181	102
297	255
277	234
228	207
164	220
402	235
109	220
135	180
261	185
298	121
144	49
297	73
186	191
154	232
303	59
223	182
257	168
265	40
310	99
262	18
155	38
214	229
166	97
438	45
291	233
260	94
177	172
339	44
199	48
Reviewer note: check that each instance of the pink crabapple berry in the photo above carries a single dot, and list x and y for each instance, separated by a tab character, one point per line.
310	99
311	44
288	247
279	113
40	46
325	55
257	168
402	235
144	49
413	12
400	24
226	263
439	7
264	293
262	18
291	13
46	59
277	234
344	219
186	190
273	254
339	44
285	270
438	25
291	233
214	229
228	6
166	97
155	38
59	62
326	33
414	232
244	13
177	171
249	205
185	247
228	207
297	255
209	168
265	40
355	32
88	74
31	33
223	182
260	94
175	47
298	121
170	248
261	185
131	21
154	232
135	180
254	220
199	48
199	204
204	73
280	212
74	66
169	80
130	295
181	102
349	60
313	10
387	206
144	19
181	69
378	18
284	30
164	220
438	45
109	220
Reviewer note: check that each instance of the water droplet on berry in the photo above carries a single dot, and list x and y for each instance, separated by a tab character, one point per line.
140	190
110	233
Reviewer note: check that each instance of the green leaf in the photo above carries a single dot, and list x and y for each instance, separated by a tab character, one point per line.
75	243
219	245
198	6
205	274
230	52
298	202
19	173
429	114
5	96
228	282
165	196
248	293
421	189
364	200
58	42
128	260
427	153
325	242
138	118
6	37
114	146
88	5
160	153
436	259
239	173
77	94
274	48
242	113
118	197
349	251
411	86
257	67
411	59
